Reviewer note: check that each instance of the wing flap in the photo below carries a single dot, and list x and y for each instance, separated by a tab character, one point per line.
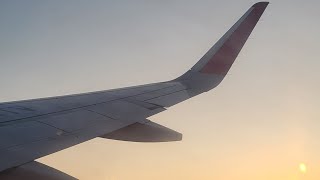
124	110
144	132
170	99
73	121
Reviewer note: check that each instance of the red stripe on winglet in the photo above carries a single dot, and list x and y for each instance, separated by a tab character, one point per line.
223	59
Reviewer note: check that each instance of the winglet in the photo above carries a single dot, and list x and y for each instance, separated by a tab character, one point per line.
211	69
220	57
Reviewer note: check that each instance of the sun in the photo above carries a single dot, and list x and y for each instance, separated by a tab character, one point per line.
303	167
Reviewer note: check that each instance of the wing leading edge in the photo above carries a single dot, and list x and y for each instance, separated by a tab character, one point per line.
34	128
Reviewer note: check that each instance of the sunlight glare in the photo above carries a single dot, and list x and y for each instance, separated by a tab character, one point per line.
303	168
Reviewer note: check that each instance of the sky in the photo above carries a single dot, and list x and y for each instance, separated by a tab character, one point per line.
261	122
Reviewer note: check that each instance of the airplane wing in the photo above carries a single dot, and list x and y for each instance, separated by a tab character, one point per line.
31	129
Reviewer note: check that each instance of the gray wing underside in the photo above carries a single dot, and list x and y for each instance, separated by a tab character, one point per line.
31	129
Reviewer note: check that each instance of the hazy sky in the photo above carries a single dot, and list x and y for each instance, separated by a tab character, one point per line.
260	123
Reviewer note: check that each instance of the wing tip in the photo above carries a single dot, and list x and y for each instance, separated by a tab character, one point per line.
262	4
